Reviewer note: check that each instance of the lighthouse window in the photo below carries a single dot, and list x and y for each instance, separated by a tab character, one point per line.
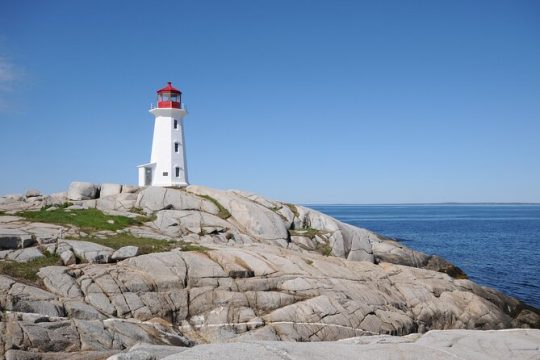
175	147
175	124
177	171
165	173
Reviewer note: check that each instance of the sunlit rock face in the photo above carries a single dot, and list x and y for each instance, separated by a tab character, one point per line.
237	267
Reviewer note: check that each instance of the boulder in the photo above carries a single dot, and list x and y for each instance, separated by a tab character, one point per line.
109	190
15	239
68	258
32	193
158	198
119	202
15	296
125	252
58	198
130	189
44	233
393	252
25	255
87	251
82	191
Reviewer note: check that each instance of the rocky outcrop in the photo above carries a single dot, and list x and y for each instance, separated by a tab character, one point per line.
82	191
110	190
259	270
15	239
443	345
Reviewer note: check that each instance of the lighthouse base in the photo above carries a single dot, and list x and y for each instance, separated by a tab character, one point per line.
147	177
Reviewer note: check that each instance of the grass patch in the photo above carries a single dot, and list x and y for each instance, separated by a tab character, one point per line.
86	218
308	261
137	210
145	218
309	232
293	209
145	245
223	213
324	249
193	247
28	270
2	212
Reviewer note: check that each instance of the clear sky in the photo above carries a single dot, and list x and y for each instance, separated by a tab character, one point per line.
303	101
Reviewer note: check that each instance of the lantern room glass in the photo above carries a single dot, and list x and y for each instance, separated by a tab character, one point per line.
169	96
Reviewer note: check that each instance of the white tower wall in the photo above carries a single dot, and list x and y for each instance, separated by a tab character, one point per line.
166	157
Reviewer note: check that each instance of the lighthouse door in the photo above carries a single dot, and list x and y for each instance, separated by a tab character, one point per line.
148	176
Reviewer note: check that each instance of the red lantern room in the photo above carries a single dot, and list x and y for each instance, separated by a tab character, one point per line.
169	97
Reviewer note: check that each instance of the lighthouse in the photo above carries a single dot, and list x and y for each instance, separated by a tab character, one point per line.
167	166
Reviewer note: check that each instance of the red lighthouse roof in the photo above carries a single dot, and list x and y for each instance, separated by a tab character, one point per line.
169	97
169	88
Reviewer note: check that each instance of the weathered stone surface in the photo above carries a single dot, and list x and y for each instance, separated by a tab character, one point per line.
261	275
82	355
14	238
54	335
396	253
32	193
148	352
125	252
44	233
253	219
157	198
82	191
15	296
68	257
130	188
262	290
109	190
434	345
24	255
87	251
118	202
183	222
58	198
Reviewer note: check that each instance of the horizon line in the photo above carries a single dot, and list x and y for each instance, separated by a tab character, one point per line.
424	203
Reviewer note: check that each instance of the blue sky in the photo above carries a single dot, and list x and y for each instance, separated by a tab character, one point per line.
304	101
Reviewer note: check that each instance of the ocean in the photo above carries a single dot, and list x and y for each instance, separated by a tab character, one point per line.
496	245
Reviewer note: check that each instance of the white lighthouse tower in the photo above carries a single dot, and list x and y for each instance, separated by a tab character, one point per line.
167	165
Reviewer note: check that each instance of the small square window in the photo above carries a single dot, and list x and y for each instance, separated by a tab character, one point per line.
176	147
165	173
177	170
175	124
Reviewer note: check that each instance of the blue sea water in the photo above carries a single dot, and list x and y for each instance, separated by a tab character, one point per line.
496	245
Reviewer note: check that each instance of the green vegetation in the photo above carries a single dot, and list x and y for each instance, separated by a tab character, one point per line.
223	213
309	232
137	210
293	209
324	249
28	270
308	261
185	246
87	219
2	212
145	245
